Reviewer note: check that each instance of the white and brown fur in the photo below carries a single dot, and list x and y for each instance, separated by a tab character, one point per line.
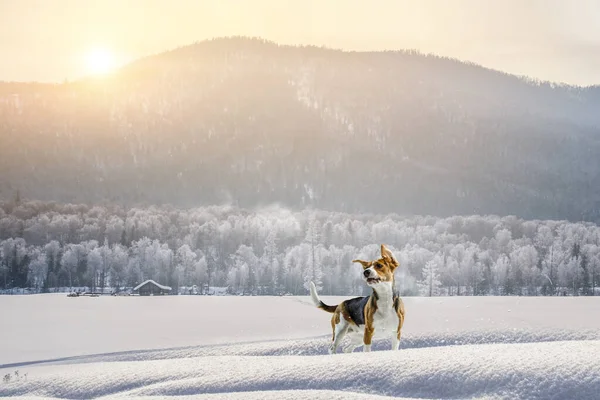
379	315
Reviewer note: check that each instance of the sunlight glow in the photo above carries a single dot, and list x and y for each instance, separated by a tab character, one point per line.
100	61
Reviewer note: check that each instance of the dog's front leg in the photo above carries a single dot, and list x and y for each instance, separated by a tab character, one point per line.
368	336
396	337
395	342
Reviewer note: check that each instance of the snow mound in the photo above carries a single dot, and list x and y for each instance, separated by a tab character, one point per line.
548	370
318	346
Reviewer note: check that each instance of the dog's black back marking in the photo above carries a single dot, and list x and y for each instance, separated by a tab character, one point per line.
356	309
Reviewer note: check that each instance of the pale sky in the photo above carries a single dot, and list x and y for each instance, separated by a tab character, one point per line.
557	40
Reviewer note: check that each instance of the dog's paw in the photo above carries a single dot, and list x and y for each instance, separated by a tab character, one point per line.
331	349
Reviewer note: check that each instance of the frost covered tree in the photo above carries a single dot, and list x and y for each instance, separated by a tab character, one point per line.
524	261
95	263
70	261
313	271
431	285
38	269
311	266
185	260
246	263
139	260
570	274
13	262
200	276
293	265
502	273
592	256
105	253
268	264
53	256
118	265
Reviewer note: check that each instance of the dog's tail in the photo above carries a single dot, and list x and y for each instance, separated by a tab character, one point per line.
317	301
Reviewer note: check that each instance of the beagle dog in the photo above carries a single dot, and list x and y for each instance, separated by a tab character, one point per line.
379	315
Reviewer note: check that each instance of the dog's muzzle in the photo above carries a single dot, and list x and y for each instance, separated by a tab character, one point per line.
370	278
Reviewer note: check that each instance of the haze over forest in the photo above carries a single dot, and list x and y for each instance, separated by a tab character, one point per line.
248	122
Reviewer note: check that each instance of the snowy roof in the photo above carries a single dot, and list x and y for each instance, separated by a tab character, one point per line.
154	283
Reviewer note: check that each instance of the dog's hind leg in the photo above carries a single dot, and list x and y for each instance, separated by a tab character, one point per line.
355	342
339	331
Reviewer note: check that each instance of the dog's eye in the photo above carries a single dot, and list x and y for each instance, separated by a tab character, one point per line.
378	266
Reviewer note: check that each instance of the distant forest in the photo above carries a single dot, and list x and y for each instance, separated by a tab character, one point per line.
275	251
248	122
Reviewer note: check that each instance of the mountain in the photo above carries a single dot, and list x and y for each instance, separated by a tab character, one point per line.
250	122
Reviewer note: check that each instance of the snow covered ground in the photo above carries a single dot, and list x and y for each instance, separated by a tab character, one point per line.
180	347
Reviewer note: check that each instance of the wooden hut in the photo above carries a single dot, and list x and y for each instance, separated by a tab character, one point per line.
151	288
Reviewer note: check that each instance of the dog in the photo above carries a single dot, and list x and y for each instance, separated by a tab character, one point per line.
378	315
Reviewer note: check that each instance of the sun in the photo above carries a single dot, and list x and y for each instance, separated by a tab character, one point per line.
100	61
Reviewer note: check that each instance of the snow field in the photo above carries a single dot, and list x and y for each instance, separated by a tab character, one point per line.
276	348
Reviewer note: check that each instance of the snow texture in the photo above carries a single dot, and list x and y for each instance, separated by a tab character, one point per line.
276	348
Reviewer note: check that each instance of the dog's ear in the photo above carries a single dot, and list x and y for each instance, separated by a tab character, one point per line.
387	255
365	264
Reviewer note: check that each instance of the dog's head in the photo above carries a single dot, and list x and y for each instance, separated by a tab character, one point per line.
380	270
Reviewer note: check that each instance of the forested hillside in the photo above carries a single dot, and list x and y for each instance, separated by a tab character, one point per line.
249	123
278	251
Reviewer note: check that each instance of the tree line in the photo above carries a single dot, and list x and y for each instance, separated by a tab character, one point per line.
275	251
